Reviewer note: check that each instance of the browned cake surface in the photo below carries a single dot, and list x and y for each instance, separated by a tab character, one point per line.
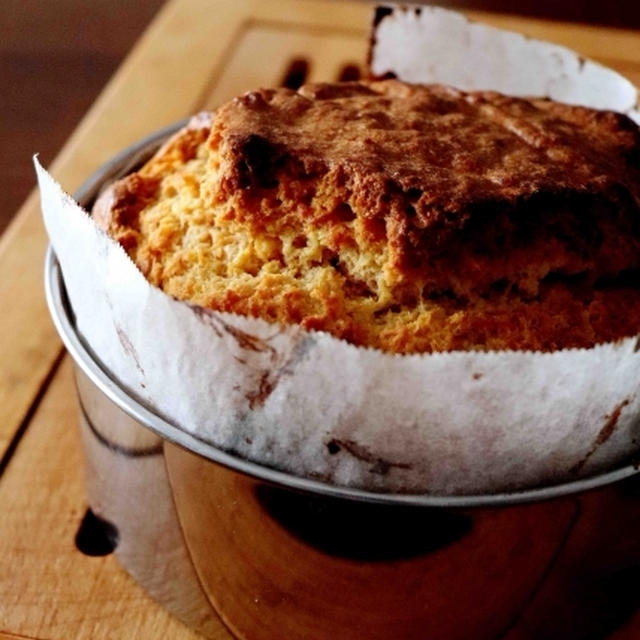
411	219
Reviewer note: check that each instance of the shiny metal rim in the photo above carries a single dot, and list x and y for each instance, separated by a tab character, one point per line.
81	353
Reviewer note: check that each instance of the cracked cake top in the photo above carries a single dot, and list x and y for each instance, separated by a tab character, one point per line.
403	217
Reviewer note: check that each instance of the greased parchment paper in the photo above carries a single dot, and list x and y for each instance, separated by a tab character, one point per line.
316	406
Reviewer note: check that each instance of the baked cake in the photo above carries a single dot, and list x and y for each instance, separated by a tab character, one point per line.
407	218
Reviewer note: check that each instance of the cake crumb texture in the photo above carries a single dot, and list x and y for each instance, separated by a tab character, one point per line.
406	218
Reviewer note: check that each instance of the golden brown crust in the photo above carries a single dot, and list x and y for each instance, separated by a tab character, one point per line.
403	217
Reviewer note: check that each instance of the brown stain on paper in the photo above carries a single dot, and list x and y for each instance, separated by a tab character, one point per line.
604	434
267	378
379	465
246	340
610	425
268	382
128	347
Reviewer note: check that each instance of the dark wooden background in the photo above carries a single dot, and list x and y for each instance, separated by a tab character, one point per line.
56	55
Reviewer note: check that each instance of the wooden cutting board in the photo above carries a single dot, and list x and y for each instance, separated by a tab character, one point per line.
195	55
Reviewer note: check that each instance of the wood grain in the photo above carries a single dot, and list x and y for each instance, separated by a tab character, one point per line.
279	44
29	344
48	589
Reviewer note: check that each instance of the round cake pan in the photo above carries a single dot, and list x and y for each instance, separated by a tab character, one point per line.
218	539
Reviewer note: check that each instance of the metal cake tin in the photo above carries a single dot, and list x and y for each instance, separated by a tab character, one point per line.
62	315
135	469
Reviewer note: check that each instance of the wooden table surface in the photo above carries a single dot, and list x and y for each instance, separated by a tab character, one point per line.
193	56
